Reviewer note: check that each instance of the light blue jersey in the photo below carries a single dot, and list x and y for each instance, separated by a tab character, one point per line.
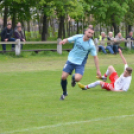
81	48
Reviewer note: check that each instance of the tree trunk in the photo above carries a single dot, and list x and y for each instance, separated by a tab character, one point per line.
77	27
5	16
129	28
66	25
69	28
82	25
115	26
45	28
53	26
28	26
14	20
111	28
126	29
60	30
100	29
40	23
107	29
64	30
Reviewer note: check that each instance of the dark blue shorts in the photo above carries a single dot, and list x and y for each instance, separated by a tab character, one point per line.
69	67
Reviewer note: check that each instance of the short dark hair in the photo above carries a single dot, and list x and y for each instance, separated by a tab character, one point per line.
129	70
89	28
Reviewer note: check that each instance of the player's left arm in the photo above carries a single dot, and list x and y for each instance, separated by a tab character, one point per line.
122	57
96	61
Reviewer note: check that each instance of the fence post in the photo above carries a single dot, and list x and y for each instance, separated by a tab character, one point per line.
17	47
59	47
129	43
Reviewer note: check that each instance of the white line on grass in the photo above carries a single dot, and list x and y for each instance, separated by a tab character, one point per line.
66	123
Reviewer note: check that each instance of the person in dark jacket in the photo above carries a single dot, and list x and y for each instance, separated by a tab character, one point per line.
19	34
6	35
130	36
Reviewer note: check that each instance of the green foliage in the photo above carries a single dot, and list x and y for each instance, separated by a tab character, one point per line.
129	16
105	11
33	36
20	8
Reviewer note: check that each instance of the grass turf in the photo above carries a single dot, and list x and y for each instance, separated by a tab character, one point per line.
30	91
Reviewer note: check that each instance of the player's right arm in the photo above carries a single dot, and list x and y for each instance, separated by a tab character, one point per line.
123	58
70	39
64	41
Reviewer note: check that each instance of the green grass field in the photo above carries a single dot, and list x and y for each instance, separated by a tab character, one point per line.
30	91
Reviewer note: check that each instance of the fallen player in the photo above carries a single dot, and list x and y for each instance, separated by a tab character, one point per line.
118	84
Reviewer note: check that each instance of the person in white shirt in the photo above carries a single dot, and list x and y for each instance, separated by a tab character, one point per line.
118	84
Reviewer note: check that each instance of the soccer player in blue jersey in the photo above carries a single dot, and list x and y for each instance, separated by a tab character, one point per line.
77	58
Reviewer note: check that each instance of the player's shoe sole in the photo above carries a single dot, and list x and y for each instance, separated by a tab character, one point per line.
81	86
101	78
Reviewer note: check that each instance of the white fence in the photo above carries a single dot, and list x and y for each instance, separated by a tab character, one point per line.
59	49
18	45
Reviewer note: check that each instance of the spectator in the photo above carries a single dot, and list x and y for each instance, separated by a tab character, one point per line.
118	39
110	44
102	40
18	24
6	35
18	34
130	36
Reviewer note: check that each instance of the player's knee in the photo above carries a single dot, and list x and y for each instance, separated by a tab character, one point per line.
110	67
77	79
101	84
63	77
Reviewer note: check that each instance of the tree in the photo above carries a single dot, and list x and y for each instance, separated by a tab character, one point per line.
46	9
62	9
4	6
129	16
77	13
109	12
17	10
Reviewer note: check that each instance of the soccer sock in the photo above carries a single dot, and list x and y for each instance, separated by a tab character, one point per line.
73	77
92	85
107	73
64	86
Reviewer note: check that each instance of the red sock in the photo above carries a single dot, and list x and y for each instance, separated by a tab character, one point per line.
87	87
105	75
